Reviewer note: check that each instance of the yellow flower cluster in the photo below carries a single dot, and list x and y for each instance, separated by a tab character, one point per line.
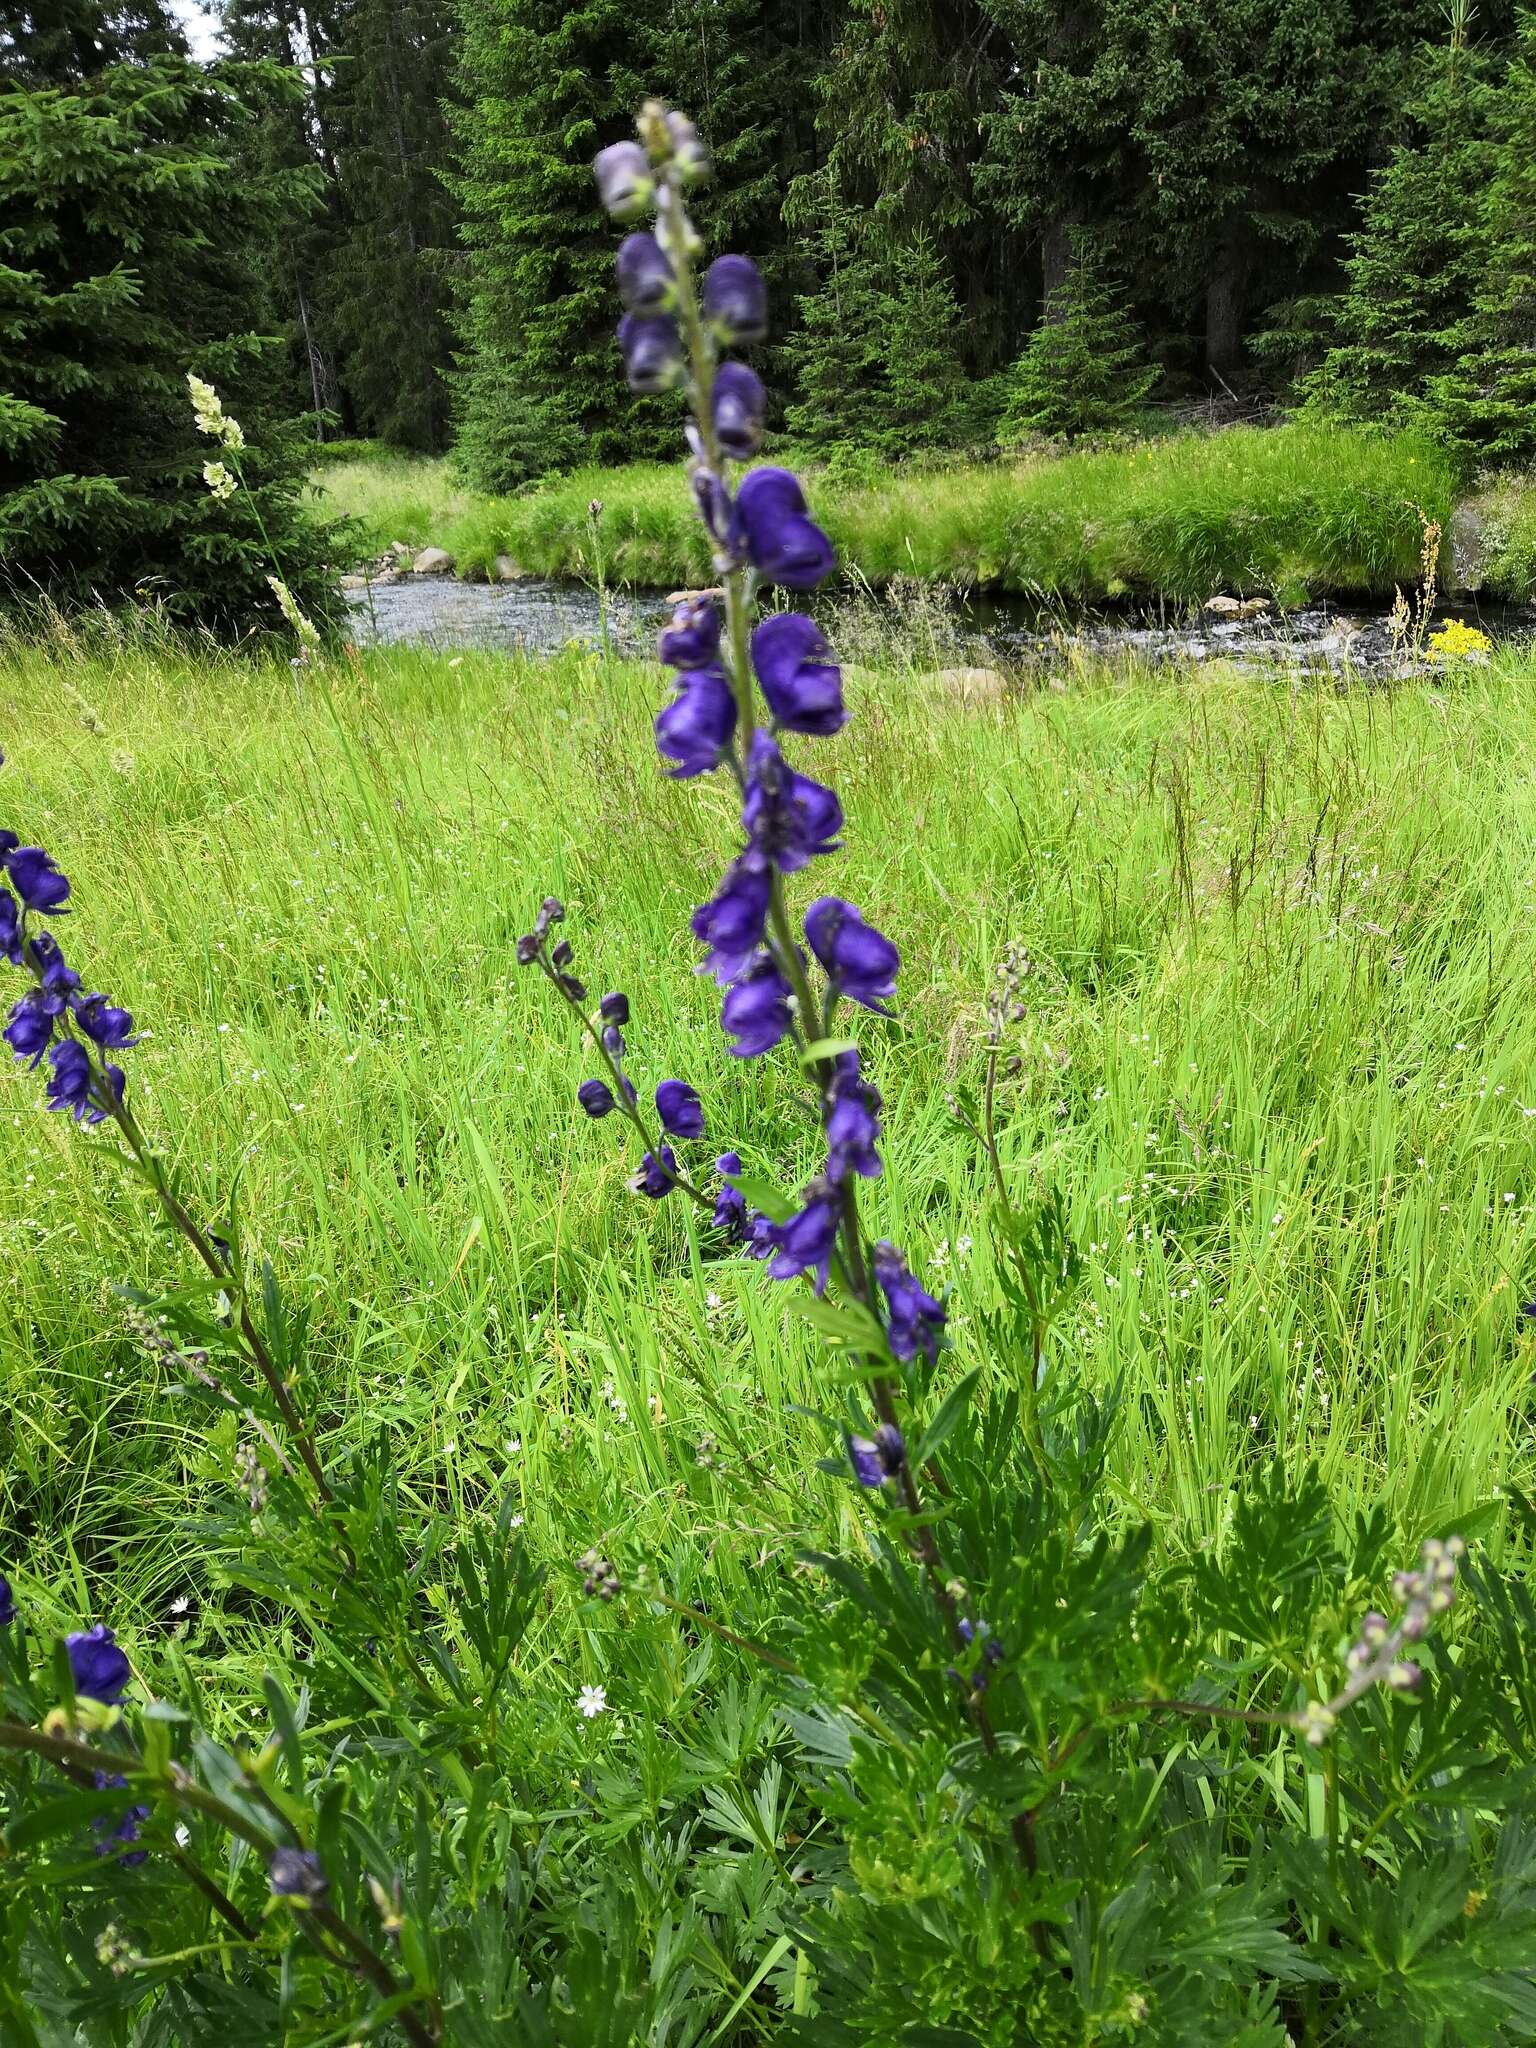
1457	641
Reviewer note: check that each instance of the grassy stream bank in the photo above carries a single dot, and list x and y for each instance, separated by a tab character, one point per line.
1290	511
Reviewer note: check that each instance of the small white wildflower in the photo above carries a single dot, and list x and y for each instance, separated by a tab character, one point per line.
591	1701
220	481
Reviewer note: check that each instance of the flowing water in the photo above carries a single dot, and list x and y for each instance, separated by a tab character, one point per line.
1010	633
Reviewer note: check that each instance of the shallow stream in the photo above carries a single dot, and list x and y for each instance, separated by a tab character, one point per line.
545	617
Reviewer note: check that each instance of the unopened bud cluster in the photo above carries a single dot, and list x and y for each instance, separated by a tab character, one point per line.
599	1580
1375	1656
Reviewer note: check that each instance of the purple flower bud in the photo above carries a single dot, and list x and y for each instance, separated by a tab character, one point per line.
30	1031
10	928
714	505
527	949
695	729
681	1113
99	1020
127	1828
595	1097
915	1321
736	299
614	1009
788	818
296	1874
852	1122
69	1086
731	923
755	1010
803	686
1405	1676
657	1175
624	180
551	911
653	351
8	1598
563	954
646	280
692	639
737	405
876	1460
730	1204
805	1243
762	1236
613	1041
859	961
36	880
773	528
98	1666
688	151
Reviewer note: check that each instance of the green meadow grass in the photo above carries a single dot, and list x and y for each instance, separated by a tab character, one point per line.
1279	1055
1291	510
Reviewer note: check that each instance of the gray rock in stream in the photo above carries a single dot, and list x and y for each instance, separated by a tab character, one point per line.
433	562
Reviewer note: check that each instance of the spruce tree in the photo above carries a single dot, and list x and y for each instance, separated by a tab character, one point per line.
125	229
544	86
1420	256
1083	371
1485	403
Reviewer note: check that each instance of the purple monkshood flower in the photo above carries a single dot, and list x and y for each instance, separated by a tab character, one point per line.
755	1010
103	1022
657	1175
692	638
730	1204
30	1031
653	351
10	928
805	1243
646	280
36	880
852	1121
695	729
624	180
788	818
99	1668
296	1874
803	685
859	961
681	1113
614	1009
761	1238
731	924
70	1084
875	1460
713	503
595	1097
127	1829
915	1321
689	156
8	1598
737	405
776	532
59	981
736	299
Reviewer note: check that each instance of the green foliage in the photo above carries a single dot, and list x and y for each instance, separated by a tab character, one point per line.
1083	372
122	268
544	87
729	1849
1286	509
873	358
1420	258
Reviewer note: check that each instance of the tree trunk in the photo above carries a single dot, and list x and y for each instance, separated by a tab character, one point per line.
1224	293
1056	257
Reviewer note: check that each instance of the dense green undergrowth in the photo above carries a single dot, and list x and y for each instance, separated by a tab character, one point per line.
1275	1056
1289	510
